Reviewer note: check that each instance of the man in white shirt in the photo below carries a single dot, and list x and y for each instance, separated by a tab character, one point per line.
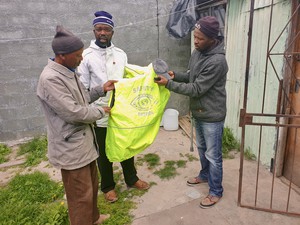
103	61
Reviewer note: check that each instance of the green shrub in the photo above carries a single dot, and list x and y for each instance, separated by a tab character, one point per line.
229	142
249	155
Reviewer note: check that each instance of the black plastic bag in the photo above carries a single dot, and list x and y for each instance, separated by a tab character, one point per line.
182	18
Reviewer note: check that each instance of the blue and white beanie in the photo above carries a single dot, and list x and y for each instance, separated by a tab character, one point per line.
103	17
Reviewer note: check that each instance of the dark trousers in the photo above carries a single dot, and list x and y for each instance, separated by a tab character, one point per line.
81	187
106	167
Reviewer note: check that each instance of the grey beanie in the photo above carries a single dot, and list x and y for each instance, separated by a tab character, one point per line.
65	42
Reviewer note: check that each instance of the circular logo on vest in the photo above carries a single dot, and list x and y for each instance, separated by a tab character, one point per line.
143	102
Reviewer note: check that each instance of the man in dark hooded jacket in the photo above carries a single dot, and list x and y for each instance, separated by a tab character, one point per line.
204	82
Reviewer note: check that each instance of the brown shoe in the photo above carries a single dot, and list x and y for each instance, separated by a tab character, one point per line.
209	201
195	181
111	196
141	185
102	218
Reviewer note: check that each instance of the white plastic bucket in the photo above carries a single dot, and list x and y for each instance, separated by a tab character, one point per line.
170	119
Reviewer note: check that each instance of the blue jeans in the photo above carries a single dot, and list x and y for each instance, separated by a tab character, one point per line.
209	144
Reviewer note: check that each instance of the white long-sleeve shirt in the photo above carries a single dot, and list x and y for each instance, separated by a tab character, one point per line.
100	65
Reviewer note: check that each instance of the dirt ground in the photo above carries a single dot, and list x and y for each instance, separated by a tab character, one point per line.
14	166
170	202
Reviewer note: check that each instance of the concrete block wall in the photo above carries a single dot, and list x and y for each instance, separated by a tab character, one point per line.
27	29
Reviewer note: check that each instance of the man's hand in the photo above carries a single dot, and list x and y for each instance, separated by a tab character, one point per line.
106	109
172	74
109	85
161	80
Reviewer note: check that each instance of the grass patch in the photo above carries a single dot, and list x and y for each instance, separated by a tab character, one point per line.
35	151
32	199
4	152
35	199
190	157
152	160
169	170
139	161
120	210
181	163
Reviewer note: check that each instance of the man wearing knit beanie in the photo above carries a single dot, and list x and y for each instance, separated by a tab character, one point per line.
70	133
65	45
209	26
204	82
65	42
102	61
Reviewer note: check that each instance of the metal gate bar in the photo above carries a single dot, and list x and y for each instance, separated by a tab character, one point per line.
247	119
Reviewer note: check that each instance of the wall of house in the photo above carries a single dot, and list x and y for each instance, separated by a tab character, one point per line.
26	32
238	13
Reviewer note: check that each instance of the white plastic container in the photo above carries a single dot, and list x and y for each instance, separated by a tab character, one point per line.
162	121
170	119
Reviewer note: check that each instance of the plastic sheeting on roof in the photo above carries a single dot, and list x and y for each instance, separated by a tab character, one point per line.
183	17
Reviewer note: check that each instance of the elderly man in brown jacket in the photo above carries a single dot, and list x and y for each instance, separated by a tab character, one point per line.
71	138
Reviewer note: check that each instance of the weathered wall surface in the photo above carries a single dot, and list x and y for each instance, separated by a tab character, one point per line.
259	98
26	32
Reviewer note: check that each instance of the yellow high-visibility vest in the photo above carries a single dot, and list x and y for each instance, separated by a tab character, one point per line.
135	117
